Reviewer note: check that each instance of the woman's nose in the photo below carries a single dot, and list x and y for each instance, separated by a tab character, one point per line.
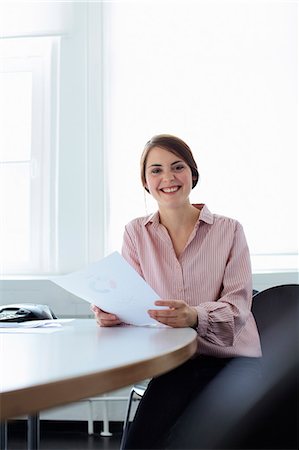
168	175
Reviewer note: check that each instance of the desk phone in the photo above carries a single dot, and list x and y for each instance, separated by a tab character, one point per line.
25	311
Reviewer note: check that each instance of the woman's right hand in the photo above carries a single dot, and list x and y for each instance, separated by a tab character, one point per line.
105	319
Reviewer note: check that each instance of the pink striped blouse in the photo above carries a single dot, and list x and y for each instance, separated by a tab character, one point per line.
213	274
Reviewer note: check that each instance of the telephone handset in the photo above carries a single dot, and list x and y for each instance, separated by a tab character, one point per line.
25	311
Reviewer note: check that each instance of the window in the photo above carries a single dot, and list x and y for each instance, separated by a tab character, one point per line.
222	76
28	128
59	227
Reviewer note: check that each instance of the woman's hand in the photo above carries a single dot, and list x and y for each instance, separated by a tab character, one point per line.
177	314
105	319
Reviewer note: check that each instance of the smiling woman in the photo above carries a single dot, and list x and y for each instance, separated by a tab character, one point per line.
199	265
168	177
177	147
168	173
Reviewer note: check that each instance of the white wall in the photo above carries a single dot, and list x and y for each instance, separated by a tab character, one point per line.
80	184
223	75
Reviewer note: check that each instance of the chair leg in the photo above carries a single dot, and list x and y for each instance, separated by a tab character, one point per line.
127	419
33	436
3	435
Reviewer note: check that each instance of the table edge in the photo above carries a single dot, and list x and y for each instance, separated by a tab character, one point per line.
50	395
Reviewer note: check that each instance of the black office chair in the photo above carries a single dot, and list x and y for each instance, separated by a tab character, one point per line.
263	414
270	414
274	419
267	415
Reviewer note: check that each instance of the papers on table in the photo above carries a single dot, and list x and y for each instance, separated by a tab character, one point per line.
114	286
35	326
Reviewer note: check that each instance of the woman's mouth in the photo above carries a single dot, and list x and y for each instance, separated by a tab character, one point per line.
169	190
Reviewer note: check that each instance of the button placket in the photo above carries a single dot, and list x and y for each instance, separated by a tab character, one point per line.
180	288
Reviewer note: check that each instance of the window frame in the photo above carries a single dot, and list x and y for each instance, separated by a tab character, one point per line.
39	56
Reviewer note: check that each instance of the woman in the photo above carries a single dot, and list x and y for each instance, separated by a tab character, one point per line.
199	264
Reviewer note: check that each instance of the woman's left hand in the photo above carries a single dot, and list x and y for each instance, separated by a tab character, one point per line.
177	314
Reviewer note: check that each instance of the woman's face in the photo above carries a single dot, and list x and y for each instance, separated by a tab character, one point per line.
168	178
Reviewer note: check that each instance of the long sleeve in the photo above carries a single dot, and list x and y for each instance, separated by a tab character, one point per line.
221	321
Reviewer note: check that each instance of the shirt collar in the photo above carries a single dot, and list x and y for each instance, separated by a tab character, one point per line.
205	215
153	218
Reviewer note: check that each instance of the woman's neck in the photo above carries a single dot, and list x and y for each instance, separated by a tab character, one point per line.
179	218
180	223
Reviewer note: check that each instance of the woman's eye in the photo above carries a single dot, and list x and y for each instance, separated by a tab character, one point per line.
179	168
155	171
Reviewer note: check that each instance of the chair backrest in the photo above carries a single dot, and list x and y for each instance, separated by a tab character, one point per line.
276	311
269	305
273	420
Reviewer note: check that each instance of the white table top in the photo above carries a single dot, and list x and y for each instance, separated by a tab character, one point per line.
44	370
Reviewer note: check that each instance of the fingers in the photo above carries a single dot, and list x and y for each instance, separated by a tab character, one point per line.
170	303
163	313
169	316
105	319
177	315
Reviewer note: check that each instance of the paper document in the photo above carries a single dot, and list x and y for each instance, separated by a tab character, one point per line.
6	327
38	330
114	286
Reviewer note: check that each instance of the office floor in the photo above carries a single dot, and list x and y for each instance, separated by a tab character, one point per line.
65	436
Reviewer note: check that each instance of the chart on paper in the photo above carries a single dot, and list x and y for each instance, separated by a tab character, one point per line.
114	286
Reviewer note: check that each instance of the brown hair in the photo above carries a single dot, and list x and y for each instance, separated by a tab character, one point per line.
174	145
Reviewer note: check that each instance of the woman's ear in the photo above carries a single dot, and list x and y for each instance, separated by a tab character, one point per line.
195	179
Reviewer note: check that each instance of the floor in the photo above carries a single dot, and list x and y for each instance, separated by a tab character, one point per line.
65	436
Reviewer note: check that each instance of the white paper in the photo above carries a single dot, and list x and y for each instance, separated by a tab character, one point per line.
33	326
114	286
39	330
47	323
